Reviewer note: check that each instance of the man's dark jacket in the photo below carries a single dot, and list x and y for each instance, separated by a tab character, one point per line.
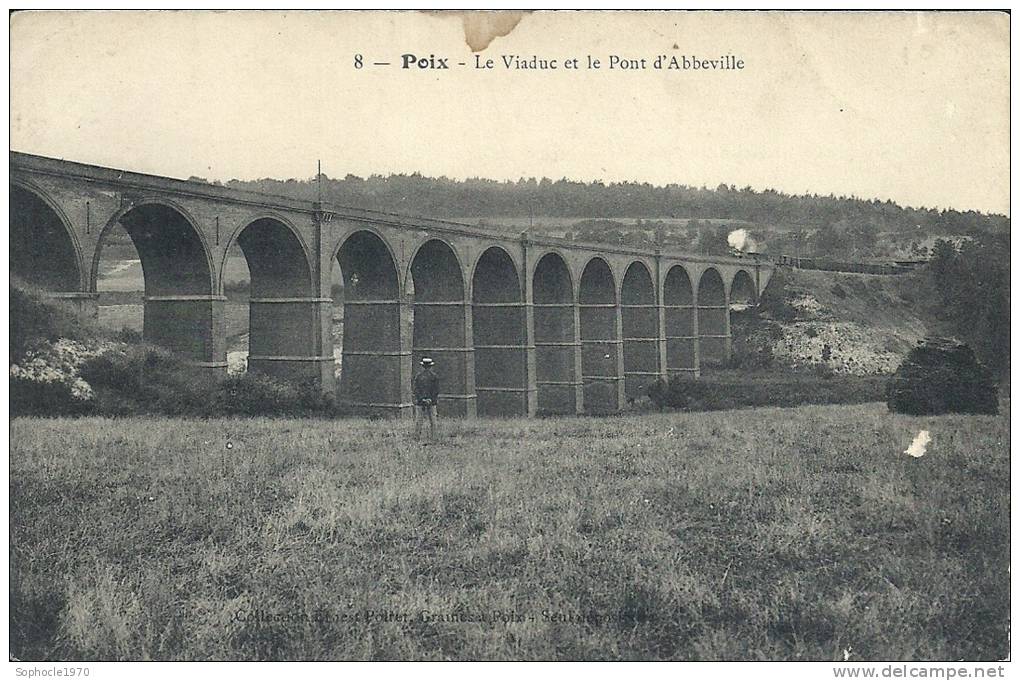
426	387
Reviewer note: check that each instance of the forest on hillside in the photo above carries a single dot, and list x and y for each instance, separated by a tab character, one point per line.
972	281
696	216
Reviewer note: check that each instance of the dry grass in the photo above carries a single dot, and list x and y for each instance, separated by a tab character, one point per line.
759	534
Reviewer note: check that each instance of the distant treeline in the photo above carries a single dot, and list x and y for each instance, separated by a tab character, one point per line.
445	198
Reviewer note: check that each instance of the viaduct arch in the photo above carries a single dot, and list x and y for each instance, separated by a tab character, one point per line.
442	323
557	339
43	249
639	306
373	334
713	318
181	305
742	290
517	325
681	323
281	296
601	343
499	323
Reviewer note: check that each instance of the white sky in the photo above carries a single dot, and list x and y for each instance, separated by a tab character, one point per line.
912	107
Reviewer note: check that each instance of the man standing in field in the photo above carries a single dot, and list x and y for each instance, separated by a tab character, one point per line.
426	398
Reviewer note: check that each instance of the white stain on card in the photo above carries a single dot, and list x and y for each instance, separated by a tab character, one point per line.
919	446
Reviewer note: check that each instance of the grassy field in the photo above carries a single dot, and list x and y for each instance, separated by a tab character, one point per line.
755	534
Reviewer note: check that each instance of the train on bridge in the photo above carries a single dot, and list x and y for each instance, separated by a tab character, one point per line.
829	265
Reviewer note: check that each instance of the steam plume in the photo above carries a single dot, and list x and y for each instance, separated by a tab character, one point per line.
740	240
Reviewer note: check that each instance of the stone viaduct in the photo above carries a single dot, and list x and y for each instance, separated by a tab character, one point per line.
517	324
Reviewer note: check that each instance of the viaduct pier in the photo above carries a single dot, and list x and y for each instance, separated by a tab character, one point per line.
517	324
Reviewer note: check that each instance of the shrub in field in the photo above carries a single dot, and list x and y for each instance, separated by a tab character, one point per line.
940	376
254	394
752	352
711	393
184	392
64	365
658	392
49	341
146	379
679	393
314	402
35	318
120	371
129	335
823	370
46	398
45	379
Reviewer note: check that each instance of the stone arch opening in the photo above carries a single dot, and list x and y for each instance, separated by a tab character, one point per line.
371	359
681	329
440	315
276	293
556	343
640	330
118	281
42	249
742	292
500	337
601	356
180	309
713	319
